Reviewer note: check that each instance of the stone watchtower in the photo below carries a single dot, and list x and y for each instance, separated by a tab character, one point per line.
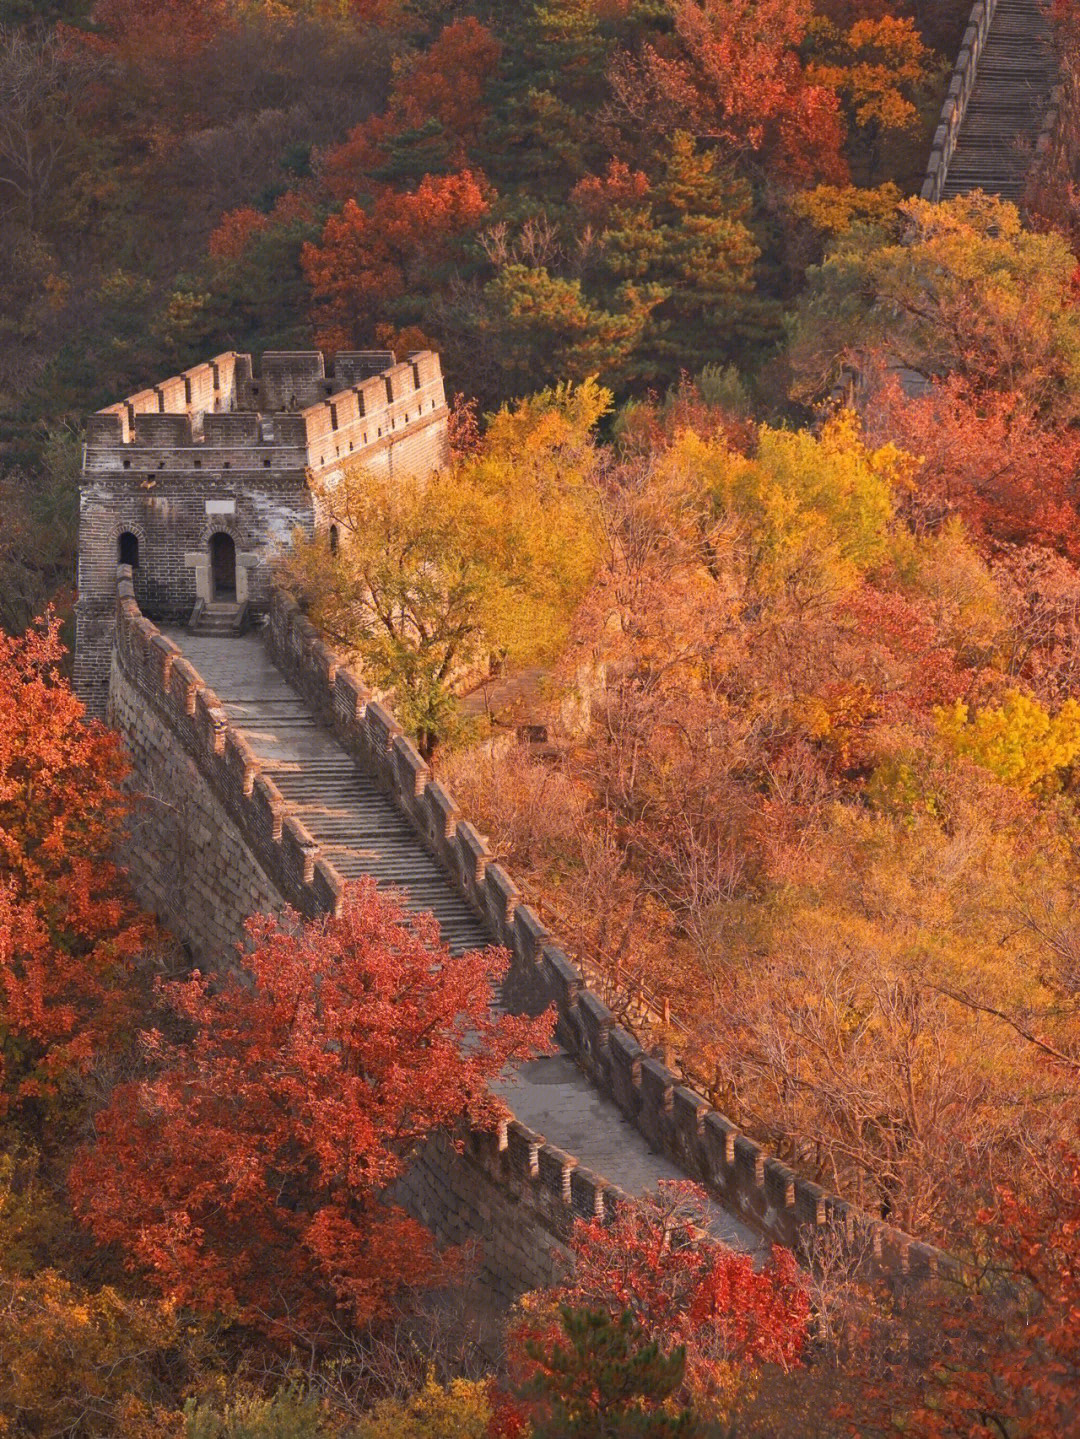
199	482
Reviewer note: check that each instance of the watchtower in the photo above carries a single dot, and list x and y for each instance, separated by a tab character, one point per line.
199	482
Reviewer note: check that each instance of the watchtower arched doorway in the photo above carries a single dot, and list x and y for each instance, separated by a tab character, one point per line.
223	567
127	549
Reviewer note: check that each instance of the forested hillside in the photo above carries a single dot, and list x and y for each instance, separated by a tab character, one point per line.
541	191
745	620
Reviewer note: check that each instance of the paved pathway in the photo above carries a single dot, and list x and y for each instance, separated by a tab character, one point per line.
362	833
1004	116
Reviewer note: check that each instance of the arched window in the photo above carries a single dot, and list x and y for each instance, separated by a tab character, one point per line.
127	549
333	539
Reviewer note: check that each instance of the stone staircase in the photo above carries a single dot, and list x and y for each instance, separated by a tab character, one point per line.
1008	105
217	617
361	832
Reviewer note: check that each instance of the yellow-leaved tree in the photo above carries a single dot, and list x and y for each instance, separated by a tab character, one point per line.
461	1410
485	560
1018	740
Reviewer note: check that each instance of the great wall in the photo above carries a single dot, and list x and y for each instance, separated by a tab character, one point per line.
270	775
999	103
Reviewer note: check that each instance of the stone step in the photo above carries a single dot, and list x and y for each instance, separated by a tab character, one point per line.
1005	113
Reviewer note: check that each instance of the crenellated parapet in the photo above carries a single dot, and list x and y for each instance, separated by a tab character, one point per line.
291	418
163	678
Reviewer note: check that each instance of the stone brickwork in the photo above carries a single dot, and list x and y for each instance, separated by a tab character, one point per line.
219	451
189	863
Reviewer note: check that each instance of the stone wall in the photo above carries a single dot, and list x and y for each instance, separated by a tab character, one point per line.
961	84
214	841
511	1186
679	1123
188	861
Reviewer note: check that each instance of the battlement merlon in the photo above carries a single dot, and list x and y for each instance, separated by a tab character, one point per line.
291	417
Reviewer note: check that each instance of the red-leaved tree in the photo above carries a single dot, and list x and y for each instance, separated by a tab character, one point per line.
996	1356
987	456
250	1174
659	1263
405	242
731	71
69	929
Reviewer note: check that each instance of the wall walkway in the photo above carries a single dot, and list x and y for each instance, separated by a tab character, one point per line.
361	833
998	103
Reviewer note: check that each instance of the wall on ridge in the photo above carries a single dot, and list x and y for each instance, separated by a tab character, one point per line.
961	84
679	1123
214	841
511	1186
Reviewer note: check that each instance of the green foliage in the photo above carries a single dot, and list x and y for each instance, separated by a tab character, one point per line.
724	387
540	324
40	508
607	1381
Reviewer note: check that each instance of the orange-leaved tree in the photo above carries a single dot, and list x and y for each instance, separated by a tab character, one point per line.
435	110
249	1173
69	930
996	1356
732	72
987	456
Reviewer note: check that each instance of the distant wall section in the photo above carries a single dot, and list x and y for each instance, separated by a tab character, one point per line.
961	86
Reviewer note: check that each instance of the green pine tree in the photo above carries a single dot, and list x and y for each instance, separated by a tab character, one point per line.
609	1381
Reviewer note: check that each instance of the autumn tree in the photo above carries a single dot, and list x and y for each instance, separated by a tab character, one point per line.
86	1361
654	1283
462	1409
378	258
883	73
734	75
434	112
69	930
248	1173
990	1352
970	293
485	560
987	456
40	77
1053	197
